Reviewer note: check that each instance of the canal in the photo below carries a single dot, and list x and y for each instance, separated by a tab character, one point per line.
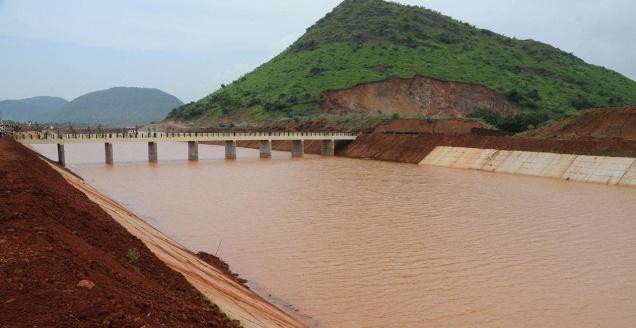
353	243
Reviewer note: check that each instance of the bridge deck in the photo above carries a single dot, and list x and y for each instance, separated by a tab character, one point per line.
35	138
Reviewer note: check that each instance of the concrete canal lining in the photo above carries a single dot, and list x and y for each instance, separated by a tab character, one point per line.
598	169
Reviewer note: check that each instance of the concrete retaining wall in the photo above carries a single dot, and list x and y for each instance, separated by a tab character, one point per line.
598	169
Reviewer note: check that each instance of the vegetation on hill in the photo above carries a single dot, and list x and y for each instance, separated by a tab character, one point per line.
371	40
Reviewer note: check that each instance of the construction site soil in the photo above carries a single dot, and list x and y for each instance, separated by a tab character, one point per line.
592	123
64	262
410	140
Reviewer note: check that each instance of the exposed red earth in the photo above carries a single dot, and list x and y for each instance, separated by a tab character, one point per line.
419	95
410	140
598	123
64	262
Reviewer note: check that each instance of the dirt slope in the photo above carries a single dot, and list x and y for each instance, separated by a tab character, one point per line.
451	126
63	260
418	95
215	282
413	148
592	123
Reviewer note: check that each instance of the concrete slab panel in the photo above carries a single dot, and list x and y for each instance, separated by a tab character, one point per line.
559	166
513	162
609	170
474	159
433	157
629	178
495	160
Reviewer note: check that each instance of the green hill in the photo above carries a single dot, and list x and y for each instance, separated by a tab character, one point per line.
371	40
118	106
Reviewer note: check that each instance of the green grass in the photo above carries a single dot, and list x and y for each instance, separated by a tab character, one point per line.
371	40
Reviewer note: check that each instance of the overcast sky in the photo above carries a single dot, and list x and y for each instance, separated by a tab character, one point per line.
190	47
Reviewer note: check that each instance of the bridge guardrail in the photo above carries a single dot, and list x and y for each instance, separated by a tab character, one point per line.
171	135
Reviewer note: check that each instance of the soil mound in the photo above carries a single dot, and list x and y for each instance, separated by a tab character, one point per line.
64	262
592	123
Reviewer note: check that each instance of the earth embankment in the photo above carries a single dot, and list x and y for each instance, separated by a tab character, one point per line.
599	123
411	140
64	262
413	148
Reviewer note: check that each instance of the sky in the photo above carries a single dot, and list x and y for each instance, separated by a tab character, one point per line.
188	48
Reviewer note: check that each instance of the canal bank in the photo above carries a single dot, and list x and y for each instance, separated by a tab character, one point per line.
412	140
71	256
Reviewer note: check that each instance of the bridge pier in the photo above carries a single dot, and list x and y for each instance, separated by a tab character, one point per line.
193	150
61	158
152	152
298	148
230	149
327	147
108	148
266	149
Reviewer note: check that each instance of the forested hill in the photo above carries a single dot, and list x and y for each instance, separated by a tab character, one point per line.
371	40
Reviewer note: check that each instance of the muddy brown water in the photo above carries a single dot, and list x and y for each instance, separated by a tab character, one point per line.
354	243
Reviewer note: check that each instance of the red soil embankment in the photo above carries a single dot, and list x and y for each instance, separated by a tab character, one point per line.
592	123
413	148
418	95
410	140
64	261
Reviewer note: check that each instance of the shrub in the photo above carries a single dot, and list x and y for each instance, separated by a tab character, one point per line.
133	256
514	124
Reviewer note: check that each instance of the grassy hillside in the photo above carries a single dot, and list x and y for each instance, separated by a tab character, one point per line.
118	106
370	40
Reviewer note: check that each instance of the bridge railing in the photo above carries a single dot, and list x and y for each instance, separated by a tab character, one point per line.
171	135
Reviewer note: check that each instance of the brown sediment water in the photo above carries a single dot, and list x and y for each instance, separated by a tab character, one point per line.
355	243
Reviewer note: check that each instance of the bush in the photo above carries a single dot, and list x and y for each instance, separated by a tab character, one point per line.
513	124
133	256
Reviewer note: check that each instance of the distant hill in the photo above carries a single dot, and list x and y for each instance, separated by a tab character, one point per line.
364	41
115	106
31	109
119	106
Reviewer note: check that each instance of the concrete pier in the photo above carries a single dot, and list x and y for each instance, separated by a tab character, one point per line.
266	149
61	158
152	152
298	148
108	148
327	147
230	149
193	150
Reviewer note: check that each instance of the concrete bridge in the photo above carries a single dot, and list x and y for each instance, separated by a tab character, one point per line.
191	138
